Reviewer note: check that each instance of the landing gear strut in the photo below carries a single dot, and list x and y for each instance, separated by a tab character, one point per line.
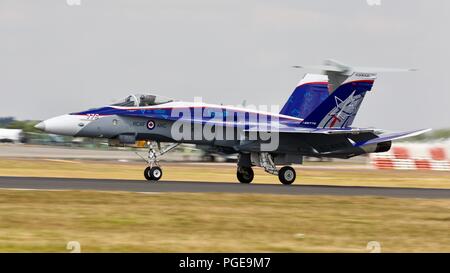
245	174
286	174
154	172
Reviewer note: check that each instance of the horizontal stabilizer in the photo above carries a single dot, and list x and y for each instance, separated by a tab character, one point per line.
331	65
337	71
392	136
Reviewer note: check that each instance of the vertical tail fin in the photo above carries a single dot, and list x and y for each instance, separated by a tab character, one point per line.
340	108
310	92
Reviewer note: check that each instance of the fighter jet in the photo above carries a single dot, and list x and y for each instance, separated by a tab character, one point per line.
316	121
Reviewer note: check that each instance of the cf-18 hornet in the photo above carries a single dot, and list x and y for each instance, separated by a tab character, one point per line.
315	121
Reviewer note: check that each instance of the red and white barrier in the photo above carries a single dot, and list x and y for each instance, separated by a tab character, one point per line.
414	156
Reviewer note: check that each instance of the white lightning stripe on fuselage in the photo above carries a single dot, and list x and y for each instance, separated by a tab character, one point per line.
179	105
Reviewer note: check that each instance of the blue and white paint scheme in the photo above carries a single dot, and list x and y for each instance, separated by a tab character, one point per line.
315	121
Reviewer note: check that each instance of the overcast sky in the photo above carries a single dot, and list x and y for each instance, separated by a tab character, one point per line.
57	58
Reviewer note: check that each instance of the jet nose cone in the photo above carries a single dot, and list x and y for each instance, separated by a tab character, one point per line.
40	126
68	125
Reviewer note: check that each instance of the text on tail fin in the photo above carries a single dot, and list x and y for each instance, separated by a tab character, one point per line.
340	108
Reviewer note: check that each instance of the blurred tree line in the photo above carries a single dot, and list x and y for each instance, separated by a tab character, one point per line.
26	125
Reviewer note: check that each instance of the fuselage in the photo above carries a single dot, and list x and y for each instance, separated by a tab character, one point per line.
157	122
230	129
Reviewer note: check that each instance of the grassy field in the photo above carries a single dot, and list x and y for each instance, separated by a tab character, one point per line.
308	174
32	221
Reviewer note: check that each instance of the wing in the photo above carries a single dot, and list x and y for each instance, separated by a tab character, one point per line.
356	137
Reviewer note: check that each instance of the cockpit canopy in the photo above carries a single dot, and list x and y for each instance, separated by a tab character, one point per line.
142	100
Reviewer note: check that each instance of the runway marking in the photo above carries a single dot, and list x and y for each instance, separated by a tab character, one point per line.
62	160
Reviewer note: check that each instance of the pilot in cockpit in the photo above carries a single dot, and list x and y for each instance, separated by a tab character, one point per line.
147	100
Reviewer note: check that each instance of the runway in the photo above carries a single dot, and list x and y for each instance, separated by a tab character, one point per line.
40	183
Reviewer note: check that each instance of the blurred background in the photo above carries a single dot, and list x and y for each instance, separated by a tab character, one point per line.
63	56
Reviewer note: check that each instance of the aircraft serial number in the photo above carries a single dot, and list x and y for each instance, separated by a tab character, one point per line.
92	116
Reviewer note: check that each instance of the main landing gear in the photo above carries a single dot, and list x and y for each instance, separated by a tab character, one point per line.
287	175
245	173
154	172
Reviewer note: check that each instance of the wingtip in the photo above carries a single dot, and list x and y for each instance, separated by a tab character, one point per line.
419	132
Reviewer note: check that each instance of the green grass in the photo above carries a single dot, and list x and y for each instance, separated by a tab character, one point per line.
44	221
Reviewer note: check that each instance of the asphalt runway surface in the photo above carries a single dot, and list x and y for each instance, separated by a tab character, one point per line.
41	183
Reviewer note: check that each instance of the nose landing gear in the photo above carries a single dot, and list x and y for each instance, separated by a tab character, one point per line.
154	172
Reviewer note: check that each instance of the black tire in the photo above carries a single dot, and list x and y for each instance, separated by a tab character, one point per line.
287	175
147	173
245	174
153	174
